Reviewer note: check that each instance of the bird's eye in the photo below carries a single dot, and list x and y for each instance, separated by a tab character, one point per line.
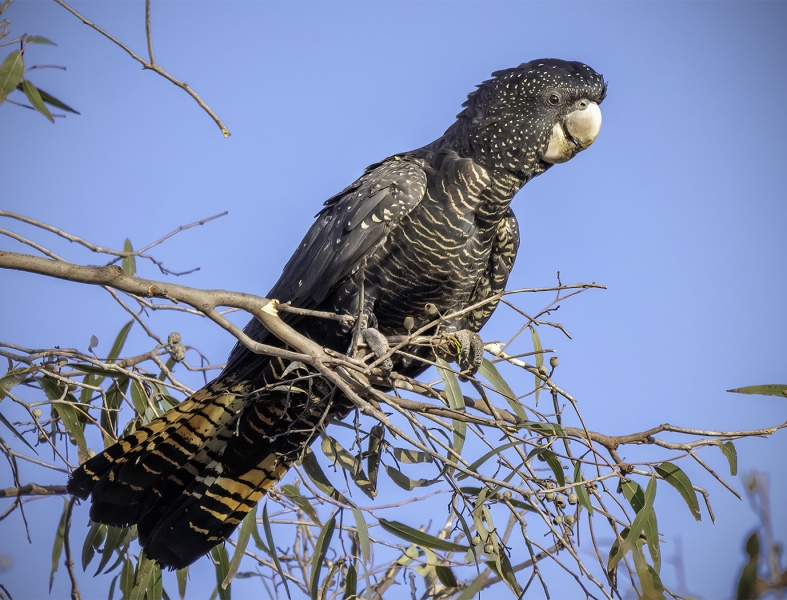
554	99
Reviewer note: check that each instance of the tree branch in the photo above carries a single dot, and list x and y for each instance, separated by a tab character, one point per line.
150	65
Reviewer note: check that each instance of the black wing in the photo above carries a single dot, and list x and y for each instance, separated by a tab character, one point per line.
349	229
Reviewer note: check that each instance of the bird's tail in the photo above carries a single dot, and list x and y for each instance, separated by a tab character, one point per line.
188	478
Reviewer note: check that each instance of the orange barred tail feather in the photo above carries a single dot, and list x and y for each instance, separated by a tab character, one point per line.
189	478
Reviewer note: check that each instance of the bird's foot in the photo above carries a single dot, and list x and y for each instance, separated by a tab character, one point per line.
379	345
468	350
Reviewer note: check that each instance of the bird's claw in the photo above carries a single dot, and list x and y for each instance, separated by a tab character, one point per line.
469	350
379	345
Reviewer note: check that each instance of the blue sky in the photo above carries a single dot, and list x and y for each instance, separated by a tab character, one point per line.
679	207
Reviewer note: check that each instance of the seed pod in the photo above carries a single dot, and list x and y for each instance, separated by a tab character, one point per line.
489	548
174	338
570	519
409	323
549	496
476	540
557	520
506	495
560	501
573	499
554	361
37	413
542	370
430	309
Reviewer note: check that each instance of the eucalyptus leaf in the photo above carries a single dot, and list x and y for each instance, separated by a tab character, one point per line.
221	564
636	497
404	482
456	401
35	99
316	474
773	389
320	550
351	584
489	371
420	538
294	494
411	457
580	490
38	39
363	534
12	70
57	547
129	263
729	451
244	533
183	577
539	356
272	547
680	481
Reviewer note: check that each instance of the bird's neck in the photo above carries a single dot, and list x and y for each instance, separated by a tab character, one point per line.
507	162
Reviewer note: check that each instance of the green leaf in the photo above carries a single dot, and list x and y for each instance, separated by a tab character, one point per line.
404	482
494	451
119	342
127	578
221	562
51	100
554	464
129	263
11	72
541	427
315	473
339	456
272	547
115	535
57	547
249	522
320	550
363	534
456	401
139	397
95	535
114	401
67	411
580	490
294	494
747	583
617	552
143	579
539	356
183	577
351	584
728	449
680	481
489	371
411	457
507	574
420	538
652	588
636	497
38	39
446	576
35	99
773	389
7	423
12	379
155	586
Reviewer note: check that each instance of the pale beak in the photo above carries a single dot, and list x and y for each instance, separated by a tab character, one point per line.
582	127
